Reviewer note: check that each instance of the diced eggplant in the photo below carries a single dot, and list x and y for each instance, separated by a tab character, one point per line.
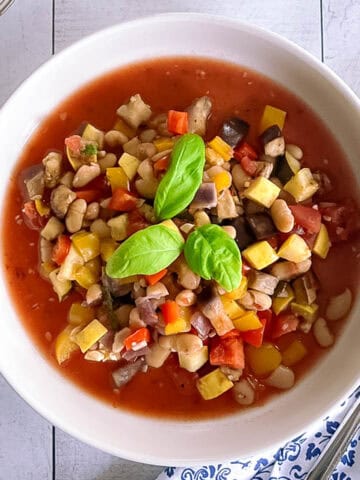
212	307
146	311
34	182
116	286
286	167
251	207
305	288
261	225
281	291
270	134
124	374
199	112
262	282
206	196
244	236
275	148
234	130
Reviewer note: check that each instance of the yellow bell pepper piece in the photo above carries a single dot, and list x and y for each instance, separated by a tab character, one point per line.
322	243
222	148
212	157
182	324
263	360
272	116
64	345
94	265
73	160
41	208
308	312
232	308
262	191
213	384
260	255
248	321
93	134
222	181
294	249
279	304
118	226
117	178
170	224
239	291
302	185
79	315
163	143
85	277
129	164
89	335
295	352
124	128
107	248
87	244
193	361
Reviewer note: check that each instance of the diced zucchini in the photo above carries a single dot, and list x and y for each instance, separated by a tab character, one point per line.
61	287
52	229
85	277
262	191
260	255
232	308
213	384
71	263
286	167
64	345
308	312
239	291
272	116
87	244
192	362
263	360
79	315
248	321
302	185
295	352
117	178
118	227
89	335
322	243
294	249
222	148
279	304
93	134
130	164
305	289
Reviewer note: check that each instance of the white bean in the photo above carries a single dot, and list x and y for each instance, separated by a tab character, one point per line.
339	305
135	320
243	392
114	138
282	216
230	230
157	355
188	343
283	378
295	151
157	291
75	215
239	177
168	342
185	298
322	333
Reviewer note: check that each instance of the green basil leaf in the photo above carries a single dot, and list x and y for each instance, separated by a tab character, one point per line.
212	254
146	252
183	178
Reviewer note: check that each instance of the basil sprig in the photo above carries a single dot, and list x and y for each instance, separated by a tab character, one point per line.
182	179
212	254
146	252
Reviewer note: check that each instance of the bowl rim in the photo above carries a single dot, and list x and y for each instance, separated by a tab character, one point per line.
292	48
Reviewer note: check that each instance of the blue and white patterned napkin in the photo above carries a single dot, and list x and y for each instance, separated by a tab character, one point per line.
291	462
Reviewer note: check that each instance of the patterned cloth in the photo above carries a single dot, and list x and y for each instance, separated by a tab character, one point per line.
291	462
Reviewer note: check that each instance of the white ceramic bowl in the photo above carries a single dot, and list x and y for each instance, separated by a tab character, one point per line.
115	431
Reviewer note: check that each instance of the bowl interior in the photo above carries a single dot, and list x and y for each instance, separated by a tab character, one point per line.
121	433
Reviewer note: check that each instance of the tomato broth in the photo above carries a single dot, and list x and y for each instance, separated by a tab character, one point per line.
167	83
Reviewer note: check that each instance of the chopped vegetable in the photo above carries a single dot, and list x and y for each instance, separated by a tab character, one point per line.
322	243
307	217
284	323
237	292
247	321
260	255
61	286
91	334
222	148
232	308
130	164
222	181
123	201
64	345
87	244
255	337
264	359
279	304
262	191
302	185
177	122
140	336
272	116
117	178
213	384
79	315
233	131
156	277
308	312
61	249
228	351
245	150
194	361
295	352
294	249
170	311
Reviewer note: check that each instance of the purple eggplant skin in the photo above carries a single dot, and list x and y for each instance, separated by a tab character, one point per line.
270	134
244	236
282	169
234	130
261	225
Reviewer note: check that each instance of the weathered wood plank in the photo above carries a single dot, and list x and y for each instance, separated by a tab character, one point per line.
342	39
25	439
25	42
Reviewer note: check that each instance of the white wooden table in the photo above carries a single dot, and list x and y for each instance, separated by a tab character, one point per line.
30	32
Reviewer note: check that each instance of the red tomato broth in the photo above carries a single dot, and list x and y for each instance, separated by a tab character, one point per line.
169	83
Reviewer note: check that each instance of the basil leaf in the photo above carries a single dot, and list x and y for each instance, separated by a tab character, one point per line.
146	252
212	254
183	178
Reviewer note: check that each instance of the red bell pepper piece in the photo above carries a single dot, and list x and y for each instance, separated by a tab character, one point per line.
156	277
122	200
306	217
228	351
255	337
177	122
162	164
249	166
61	249
170	311
136	222
140	335
245	150
284	323
89	195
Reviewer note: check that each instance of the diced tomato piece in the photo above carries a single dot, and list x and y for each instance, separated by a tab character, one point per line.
284	323
245	150
170	311
122	200
229	351
245	267
156	277
341	221
136	222
274	241
32	217
255	337
234	333
74	143
61	249
89	195
177	122
140	335
306	217
100	183
249	166
162	164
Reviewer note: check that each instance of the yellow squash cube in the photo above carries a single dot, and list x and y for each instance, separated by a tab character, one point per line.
129	164
308	312
93	134
117	178
79	315
178	326
263	360
272	116
193	361
238	292
41	207
260	255
262	191
118	226
91	334
294	249
87	244
213	384
232	308
279	304
247	321
64	345
322	243
222	148
302	185
85	277
295	352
